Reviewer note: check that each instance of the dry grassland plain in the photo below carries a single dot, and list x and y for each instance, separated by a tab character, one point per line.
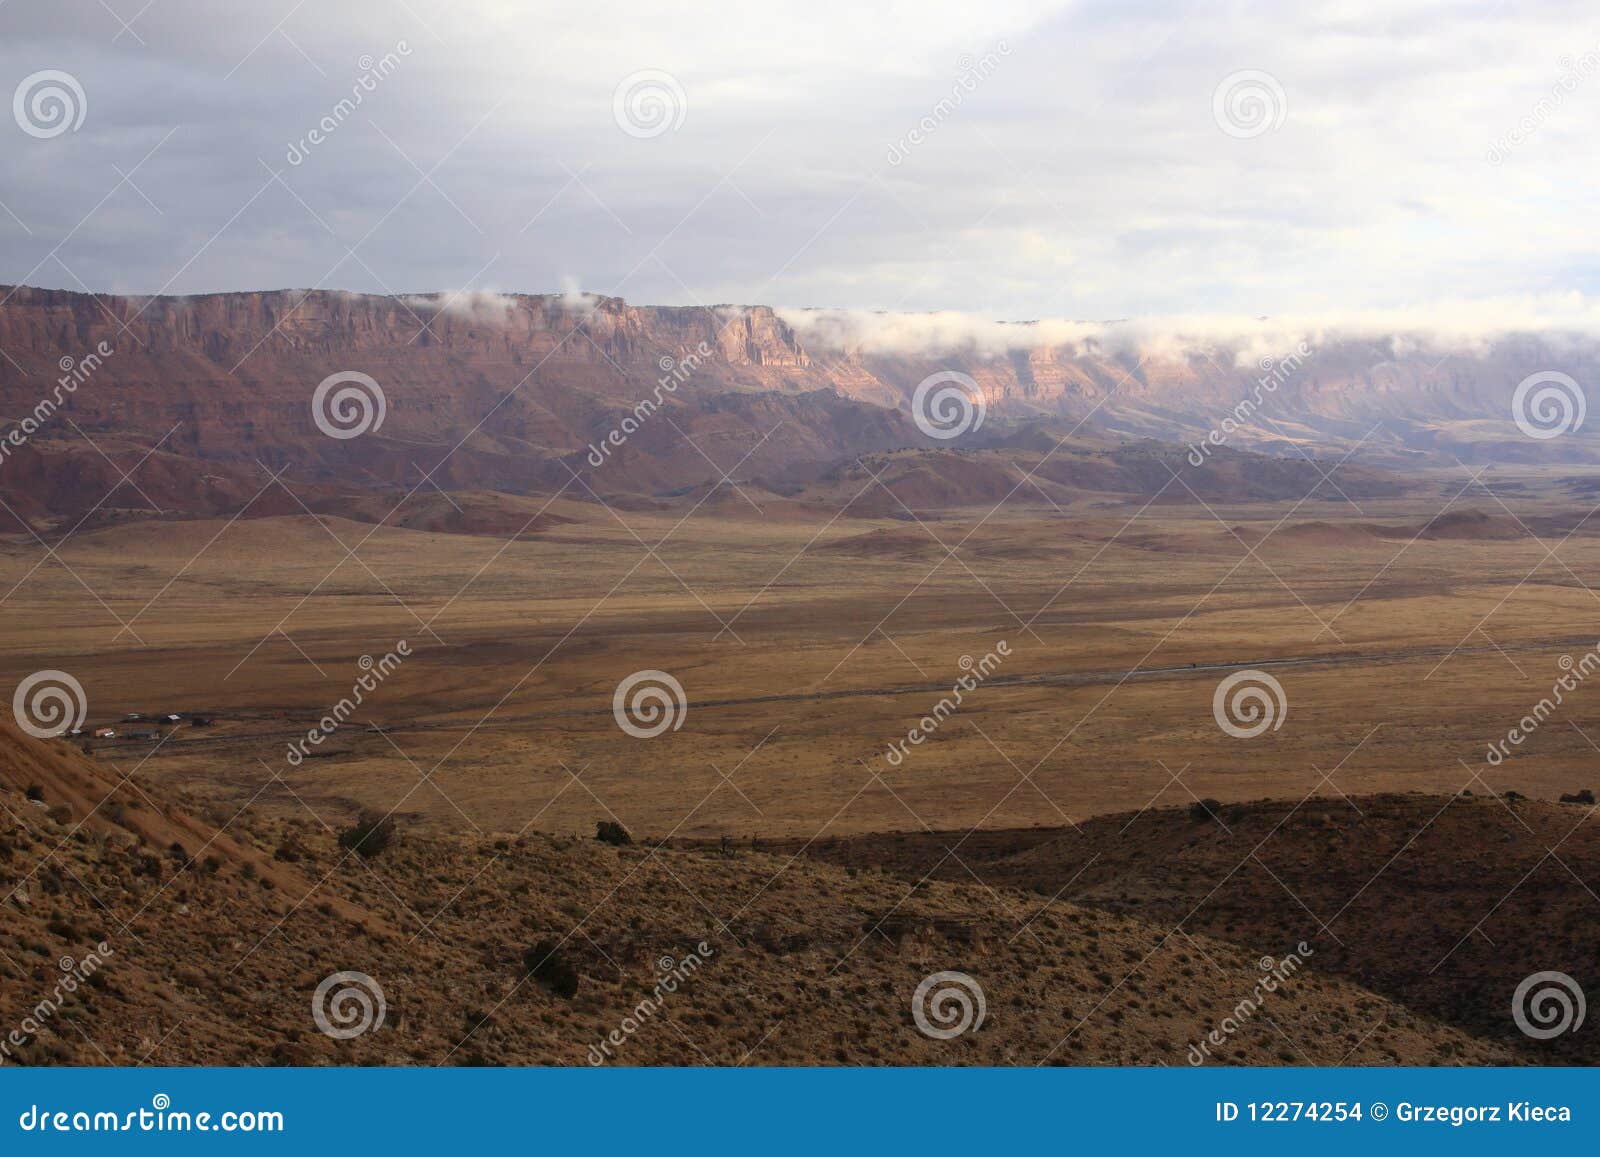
807	642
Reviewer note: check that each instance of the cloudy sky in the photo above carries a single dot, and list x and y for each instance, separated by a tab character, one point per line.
1011	159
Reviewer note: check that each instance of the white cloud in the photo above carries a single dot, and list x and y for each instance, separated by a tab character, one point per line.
1084	177
1453	326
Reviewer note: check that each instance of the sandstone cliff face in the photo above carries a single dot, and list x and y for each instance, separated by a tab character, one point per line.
510	392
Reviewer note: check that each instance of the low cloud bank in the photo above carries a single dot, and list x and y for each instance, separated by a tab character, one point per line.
480	305
1442	328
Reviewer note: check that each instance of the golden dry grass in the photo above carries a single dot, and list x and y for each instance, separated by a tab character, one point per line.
841	635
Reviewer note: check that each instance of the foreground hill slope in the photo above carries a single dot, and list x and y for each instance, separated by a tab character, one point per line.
507	949
1445	904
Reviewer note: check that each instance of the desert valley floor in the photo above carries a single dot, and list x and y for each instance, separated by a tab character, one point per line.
1407	637
1054	803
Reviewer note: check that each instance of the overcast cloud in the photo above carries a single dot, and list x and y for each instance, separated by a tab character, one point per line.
1419	152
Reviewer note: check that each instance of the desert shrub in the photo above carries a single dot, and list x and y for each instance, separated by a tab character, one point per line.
369	835
549	967
1202	810
36	793
1583	796
611	832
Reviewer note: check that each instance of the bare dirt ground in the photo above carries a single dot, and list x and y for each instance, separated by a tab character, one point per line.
1036	835
805	647
196	948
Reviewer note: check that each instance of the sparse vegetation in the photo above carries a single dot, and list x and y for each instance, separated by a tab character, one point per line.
370	835
545	962
611	832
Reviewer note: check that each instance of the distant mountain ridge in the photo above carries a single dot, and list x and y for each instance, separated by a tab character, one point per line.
516	393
